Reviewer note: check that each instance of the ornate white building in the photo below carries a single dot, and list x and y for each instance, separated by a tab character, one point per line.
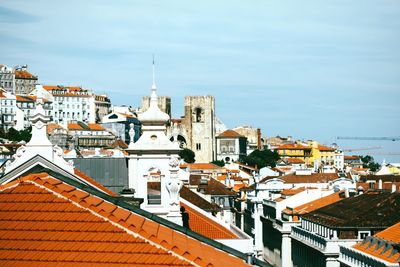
154	163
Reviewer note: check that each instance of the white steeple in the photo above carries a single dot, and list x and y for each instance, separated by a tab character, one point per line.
154	151
154	113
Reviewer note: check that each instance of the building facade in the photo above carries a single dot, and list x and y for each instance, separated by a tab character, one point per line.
25	82
198	125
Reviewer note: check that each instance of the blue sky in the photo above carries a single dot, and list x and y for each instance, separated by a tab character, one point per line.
310	69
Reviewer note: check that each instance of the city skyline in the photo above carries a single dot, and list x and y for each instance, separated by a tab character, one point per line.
310	70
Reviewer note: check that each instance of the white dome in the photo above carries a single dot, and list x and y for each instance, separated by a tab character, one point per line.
153	114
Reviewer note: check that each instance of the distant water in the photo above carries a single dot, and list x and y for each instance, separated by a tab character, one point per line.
390	150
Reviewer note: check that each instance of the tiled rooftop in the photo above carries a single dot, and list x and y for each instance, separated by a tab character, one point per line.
384	245
47	222
316	204
205	226
377	209
230	134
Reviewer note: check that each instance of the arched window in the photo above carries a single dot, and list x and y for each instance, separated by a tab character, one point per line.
198	114
154	186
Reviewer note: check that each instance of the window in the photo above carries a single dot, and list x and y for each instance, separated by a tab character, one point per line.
198	146
363	234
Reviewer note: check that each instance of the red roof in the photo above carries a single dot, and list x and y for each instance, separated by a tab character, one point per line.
294	160
325	148
95	127
230	134
386	250
74	126
23	74
313	205
294	146
201	166
312	178
46	222
203	225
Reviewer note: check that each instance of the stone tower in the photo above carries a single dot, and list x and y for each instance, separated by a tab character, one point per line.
164	103
199	124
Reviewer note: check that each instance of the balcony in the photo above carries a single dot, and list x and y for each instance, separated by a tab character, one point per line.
325	245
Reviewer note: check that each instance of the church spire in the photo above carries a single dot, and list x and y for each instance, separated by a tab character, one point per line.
153	98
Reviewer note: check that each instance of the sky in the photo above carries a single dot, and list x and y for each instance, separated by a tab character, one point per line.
309	69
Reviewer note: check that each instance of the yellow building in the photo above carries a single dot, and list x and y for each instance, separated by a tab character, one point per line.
295	151
310	152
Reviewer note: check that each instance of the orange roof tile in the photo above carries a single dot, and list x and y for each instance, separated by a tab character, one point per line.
23	74
292	191
205	226
74	126
313	178
313	205
202	166
230	134
294	146
46	221
387	252
52	126
95	127
351	157
325	148
294	160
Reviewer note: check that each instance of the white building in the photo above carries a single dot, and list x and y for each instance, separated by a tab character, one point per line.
7	78
76	103
8	106
231	146
154	163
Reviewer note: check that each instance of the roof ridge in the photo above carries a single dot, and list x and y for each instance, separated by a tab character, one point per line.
134	219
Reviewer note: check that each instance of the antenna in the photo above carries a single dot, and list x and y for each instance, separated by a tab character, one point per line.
154	79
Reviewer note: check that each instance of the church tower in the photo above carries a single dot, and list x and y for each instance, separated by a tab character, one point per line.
199	122
153	163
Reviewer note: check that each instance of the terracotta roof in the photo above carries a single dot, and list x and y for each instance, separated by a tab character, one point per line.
23	74
294	146
316	204
230	134
312	178
205	226
197	200
95	127
325	148
31	98
385	185
52	126
351	157
377	209
202	166
2	93
74	126
292	191
294	160
213	187
384	245
47	222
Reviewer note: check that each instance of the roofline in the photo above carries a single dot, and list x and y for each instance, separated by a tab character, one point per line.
121	203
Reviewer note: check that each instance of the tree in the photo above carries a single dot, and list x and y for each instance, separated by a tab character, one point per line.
187	155
369	162
262	158
17	136
220	163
